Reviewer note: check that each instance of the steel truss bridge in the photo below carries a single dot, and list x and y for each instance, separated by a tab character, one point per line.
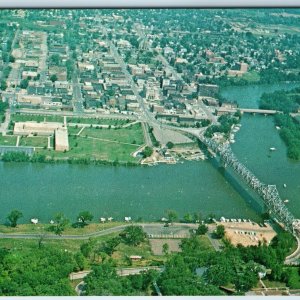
268	193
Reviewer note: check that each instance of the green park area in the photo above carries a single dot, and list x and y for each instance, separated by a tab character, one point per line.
36	118
101	144
34	141
8	140
95	121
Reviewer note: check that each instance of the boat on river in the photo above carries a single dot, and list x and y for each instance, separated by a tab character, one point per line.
273	149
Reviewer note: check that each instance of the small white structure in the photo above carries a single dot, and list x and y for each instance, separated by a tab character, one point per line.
164	219
102	220
51	222
110	219
127	219
34	221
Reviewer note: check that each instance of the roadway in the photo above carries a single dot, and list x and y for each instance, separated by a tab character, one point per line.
77	95
147	227
72	114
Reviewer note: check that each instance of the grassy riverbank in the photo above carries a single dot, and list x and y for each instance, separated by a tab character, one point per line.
87	145
69	230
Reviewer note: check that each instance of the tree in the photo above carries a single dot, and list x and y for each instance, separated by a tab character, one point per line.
109	247
3	85
53	77
24	83
55	59
87	248
172	216
60	223
165	248
13	217
169	145
133	235
84	216
188	218
202	229
11	59
220	231
147	152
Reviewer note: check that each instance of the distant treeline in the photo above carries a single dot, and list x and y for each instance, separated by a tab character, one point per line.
290	133
41	158
286	101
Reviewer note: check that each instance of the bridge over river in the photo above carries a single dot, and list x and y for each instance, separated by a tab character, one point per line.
268	193
223	110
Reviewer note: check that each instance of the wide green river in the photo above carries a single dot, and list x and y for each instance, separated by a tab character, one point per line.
41	190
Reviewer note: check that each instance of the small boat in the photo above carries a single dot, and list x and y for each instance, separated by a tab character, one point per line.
284	185
277	127
286	201
34	221
272	149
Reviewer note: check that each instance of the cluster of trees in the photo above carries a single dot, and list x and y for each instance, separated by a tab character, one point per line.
41	158
290	133
237	267
285	101
3	107
226	121
103	280
40	271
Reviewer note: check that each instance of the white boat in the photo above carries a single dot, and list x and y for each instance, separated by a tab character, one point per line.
277	127
272	149
34	221
284	185
286	201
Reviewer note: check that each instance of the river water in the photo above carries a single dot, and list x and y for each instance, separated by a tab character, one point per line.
41	190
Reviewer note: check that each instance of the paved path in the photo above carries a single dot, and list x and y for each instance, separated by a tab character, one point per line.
293	259
146	226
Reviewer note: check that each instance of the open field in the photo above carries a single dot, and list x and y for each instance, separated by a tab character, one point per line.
82	147
8	140
93	143
69	245
37	118
157	245
35	141
42	228
131	135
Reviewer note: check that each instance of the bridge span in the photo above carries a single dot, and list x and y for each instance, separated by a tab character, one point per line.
223	110
268	193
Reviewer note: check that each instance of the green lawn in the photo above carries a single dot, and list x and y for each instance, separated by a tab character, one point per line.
35	141
131	135
70	245
251	76
103	121
37	118
81	147
273	284
8	140
205	243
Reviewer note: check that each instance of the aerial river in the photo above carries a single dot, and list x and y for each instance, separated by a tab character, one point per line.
41	190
